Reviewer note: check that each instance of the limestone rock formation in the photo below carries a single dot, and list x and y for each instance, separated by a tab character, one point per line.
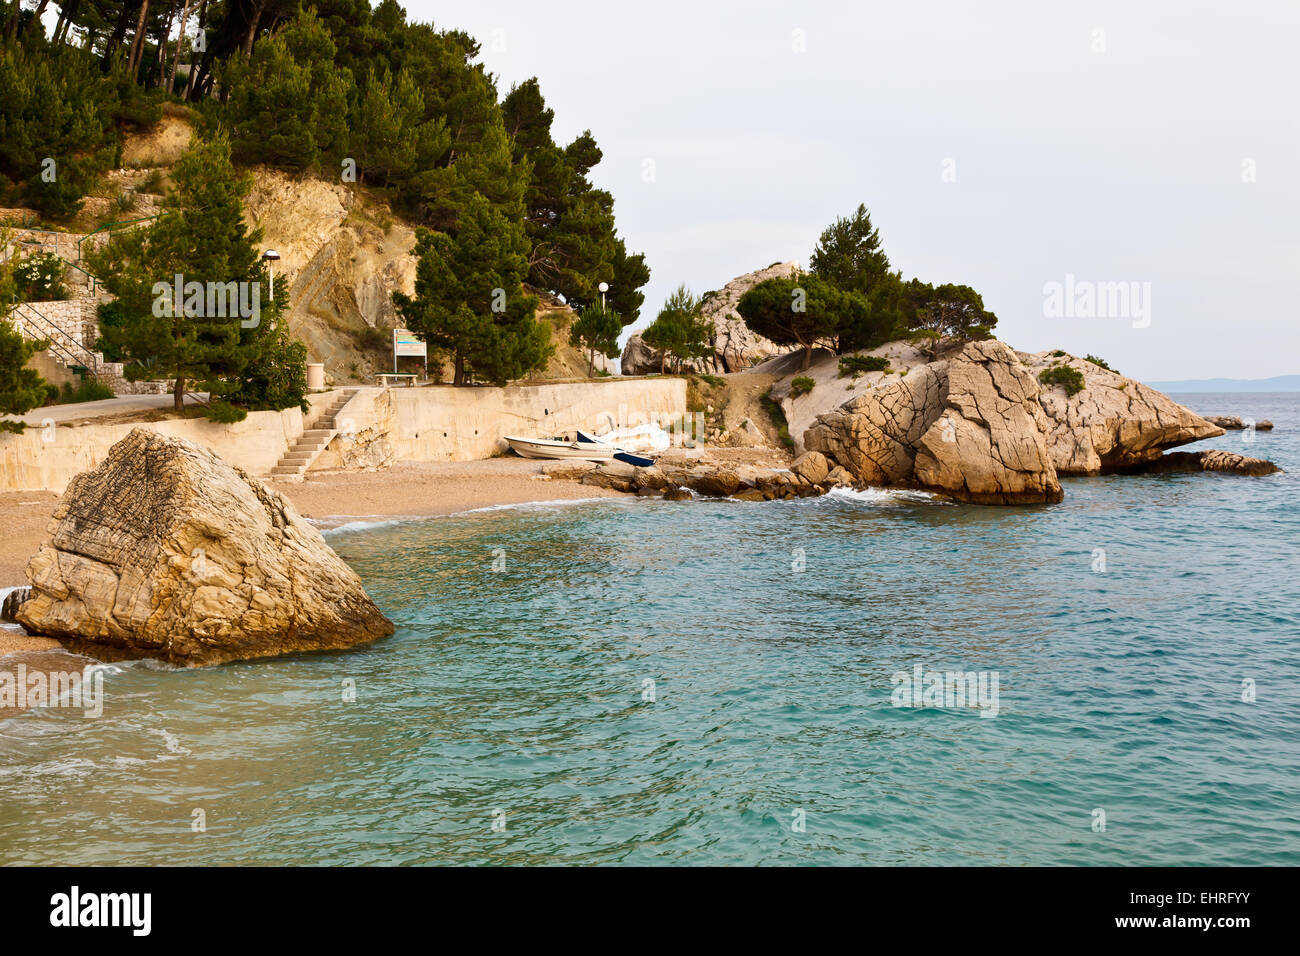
970	427
165	551
1212	460
1235	423
732	345
1114	424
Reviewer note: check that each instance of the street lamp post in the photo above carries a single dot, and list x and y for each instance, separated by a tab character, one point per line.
271	257
603	287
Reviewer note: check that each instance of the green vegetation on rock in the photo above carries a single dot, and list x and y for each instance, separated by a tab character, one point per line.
1069	378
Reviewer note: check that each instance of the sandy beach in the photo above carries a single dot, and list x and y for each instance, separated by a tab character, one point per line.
329	499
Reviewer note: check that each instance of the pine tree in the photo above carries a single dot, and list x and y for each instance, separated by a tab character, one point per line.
201	237
801	310
469	298
849	255
596	330
679	331
288	105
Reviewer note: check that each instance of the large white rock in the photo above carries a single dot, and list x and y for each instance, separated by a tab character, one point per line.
165	551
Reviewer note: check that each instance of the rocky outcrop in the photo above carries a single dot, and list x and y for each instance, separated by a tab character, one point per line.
979	426
1234	423
1212	460
732	345
1114	424
165	551
970	427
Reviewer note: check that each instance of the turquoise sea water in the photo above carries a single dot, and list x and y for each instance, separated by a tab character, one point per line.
516	694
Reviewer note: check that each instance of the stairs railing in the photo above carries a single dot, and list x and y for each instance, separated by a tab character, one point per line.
62	344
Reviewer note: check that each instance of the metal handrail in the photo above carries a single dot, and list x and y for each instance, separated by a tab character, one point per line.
111	227
67	350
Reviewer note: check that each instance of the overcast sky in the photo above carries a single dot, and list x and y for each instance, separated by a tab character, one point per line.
1002	145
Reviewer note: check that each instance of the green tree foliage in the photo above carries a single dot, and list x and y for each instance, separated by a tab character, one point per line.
288	105
679	331
326	86
570	223
849	255
951	311
805	310
596	330
1069	378
21	388
243	361
57	124
469	298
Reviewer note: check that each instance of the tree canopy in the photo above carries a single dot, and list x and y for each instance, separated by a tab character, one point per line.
334	87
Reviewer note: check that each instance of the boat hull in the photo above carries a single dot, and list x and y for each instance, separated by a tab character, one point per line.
545	448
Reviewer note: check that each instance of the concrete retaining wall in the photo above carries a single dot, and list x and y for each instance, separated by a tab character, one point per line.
378	426
462	424
46	458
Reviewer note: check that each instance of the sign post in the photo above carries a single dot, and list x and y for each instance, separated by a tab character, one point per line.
407	343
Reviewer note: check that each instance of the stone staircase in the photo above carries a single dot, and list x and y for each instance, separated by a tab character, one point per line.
314	440
66	346
69	324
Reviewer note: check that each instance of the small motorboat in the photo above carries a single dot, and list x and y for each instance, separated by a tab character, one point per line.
637	461
554	448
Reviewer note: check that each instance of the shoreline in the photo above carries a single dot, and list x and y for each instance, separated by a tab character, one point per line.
329	500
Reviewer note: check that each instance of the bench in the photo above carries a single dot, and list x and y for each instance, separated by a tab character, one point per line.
385	376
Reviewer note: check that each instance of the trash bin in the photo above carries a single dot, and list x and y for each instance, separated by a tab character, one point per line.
315	375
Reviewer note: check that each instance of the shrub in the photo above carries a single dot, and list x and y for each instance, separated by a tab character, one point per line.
1098	362
1071	379
1058	354
773	409
87	390
802	385
154	183
371	339
714	380
40	278
223	413
856	365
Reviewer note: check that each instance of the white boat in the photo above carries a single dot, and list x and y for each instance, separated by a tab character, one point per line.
551	448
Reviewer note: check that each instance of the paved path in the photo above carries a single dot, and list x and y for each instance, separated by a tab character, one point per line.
106	406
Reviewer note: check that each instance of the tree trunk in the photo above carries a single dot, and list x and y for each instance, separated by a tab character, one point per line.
459	378
66	18
202	83
162	43
137	47
178	394
807	356
258	7
119	32
189	80
180	35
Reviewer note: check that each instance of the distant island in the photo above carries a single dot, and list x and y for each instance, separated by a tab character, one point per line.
1278	383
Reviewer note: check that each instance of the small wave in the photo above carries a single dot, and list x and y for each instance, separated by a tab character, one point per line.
378	521
884	496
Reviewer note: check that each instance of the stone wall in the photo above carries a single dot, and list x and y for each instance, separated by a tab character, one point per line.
47	457
377	427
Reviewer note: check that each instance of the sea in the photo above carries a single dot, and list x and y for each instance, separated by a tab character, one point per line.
868	678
